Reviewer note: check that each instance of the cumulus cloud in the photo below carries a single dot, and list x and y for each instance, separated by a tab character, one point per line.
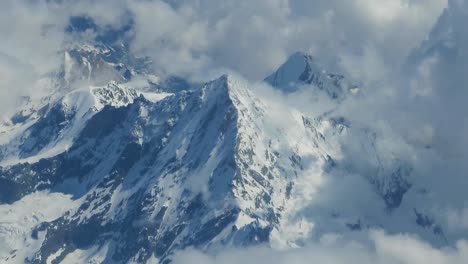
253	37
31	38
202	39
389	29
376	248
197	38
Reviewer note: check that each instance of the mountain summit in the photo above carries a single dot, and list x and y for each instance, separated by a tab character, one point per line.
128	175
300	69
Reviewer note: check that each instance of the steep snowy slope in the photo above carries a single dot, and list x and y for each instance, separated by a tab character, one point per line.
137	175
205	168
171	169
19	218
54	132
137	164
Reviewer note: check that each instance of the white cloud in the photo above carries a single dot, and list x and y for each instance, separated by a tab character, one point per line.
377	248
405	248
254	37
31	37
201	39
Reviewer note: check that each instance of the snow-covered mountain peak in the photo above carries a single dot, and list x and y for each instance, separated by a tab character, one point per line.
147	173
294	71
301	70
229	86
212	166
114	94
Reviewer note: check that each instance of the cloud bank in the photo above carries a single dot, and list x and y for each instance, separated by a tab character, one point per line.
200	39
379	248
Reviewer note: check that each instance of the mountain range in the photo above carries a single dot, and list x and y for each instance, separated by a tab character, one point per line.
117	165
